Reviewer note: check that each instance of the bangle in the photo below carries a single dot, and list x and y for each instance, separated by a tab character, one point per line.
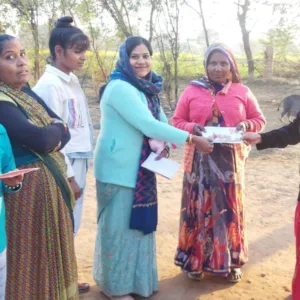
190	141
14	188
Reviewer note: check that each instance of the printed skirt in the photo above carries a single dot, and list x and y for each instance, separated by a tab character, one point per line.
212	225
41	261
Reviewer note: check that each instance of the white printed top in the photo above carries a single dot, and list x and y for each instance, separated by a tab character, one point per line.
64	95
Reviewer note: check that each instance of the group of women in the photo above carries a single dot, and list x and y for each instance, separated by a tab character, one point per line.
40	223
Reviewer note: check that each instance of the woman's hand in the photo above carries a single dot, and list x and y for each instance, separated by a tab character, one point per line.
165	153
57	121
75	187
14	180
251	138
242	126
203	144
198	129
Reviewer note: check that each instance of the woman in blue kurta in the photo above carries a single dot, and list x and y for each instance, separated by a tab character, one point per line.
7	163
125	258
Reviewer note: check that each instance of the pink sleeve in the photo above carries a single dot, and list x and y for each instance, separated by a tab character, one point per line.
255	118
181	115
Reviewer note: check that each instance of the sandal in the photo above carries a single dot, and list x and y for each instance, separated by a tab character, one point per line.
235	275
196	276
83	287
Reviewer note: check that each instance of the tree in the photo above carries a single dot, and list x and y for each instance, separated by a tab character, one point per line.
280	38
201	15
167	37
88	11
242	12
161	40
28	11
154	4
124	12
119	11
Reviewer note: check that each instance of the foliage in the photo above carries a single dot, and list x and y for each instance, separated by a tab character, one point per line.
281	38
107	22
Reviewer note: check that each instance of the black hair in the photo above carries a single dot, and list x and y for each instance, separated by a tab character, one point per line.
134	41
3	39
66	35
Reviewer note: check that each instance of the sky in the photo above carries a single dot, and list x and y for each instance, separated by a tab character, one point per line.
221	18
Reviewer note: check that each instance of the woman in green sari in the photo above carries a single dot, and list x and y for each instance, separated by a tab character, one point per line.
40	250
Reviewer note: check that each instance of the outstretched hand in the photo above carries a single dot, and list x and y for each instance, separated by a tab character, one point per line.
251	138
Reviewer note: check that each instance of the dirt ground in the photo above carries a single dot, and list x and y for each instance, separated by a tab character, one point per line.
272	180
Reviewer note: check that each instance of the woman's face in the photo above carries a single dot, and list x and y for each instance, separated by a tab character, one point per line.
71	59
218	68
14	68
140	60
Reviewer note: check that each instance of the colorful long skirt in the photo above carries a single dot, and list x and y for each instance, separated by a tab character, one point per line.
125	259
212	225
296	279
41	263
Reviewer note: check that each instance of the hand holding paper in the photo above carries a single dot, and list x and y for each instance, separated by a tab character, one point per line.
16	173
163	167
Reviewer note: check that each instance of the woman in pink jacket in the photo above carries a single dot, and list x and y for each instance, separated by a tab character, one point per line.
212	225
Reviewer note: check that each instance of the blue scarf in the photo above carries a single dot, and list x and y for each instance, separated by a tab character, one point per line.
151	85
144	207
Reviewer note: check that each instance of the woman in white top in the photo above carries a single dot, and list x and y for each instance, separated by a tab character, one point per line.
61	91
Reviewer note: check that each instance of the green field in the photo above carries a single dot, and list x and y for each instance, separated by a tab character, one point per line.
190	66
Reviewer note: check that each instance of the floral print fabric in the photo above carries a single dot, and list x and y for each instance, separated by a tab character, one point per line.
212	226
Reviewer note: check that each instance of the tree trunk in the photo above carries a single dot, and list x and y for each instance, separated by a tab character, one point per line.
151	25
176	49
242	17
176	79
203	23
247	48
35	36
116	14
268	67
167	83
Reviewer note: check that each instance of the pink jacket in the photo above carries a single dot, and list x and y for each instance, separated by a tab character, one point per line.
235	101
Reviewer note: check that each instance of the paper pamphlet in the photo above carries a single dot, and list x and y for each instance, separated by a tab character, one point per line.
227	135
17	173
164	167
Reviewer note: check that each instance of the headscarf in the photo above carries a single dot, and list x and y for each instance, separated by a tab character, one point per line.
222	48
151	85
